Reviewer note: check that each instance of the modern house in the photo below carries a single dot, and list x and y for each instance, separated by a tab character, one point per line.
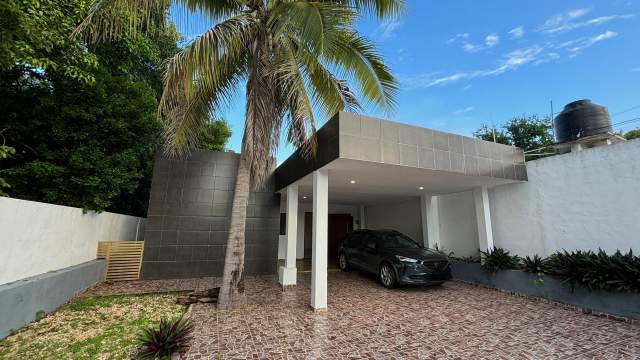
367	173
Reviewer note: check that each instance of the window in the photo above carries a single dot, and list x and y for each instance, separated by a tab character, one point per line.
353	240
398	241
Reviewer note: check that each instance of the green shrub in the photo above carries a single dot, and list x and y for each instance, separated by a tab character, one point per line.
499	259
535	265
597	271
168	338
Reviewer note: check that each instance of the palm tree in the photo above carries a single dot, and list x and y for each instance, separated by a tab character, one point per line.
296	60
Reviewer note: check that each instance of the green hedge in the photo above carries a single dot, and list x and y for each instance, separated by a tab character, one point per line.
593	270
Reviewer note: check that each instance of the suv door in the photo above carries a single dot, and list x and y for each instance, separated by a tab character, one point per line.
351	248
369	253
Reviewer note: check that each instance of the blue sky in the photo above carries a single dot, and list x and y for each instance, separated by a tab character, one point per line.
461	63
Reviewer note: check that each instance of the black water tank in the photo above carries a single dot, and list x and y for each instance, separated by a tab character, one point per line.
580	119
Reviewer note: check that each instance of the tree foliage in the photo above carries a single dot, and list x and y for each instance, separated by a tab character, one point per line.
526	132
632	134
82	117
214	135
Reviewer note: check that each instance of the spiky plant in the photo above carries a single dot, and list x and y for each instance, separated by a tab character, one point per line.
597	271
166	339
535	265
499	259
295	59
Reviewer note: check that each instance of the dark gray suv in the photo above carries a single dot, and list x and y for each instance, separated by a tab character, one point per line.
394	257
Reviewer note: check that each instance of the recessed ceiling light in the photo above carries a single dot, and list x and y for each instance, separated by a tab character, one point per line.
352	181
304	197
421	188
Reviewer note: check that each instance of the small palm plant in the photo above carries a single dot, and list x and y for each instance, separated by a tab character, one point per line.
166	339
535	265
499	259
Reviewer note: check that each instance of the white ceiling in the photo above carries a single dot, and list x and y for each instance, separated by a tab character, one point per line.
378	183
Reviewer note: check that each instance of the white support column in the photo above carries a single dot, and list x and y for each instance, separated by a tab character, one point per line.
483	217
319	246
363	223
430	221
287	274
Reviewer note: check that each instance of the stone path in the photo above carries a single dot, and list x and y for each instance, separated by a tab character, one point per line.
366	321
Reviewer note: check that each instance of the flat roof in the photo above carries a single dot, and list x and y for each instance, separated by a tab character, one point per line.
385	154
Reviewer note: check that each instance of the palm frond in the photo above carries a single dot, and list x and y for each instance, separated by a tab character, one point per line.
383	9
359	58
111	19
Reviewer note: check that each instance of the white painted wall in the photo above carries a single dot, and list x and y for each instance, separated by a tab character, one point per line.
405	217
37	237
458	229
581	200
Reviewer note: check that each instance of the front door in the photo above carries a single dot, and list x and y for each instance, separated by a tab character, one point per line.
339	226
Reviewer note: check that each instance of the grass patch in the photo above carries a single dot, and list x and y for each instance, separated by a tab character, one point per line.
104	327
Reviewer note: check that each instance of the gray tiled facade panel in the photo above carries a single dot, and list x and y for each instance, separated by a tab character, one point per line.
189	212
375	140
426	158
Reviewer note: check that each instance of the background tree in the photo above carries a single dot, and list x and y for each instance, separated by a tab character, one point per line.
529	132
490	133
526	132
214	135
287	55
632	134
82	117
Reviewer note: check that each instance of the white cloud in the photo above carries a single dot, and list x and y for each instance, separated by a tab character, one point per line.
471	48
492	40
386	30
468	86
463	111
489	42
562	19
568	21
458	37
510	62
517	33
577	45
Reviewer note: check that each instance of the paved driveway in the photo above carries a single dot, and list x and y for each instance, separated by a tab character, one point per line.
364	320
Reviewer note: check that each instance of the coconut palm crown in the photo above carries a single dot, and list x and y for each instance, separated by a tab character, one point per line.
296	60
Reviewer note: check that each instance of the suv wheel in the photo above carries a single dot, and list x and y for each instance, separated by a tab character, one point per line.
387	276
342	262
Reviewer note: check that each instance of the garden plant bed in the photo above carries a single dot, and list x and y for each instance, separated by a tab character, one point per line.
618	304
91	328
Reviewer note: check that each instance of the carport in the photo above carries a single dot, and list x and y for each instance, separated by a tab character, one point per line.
366	164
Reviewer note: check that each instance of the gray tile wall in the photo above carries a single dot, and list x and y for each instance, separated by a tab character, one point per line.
371	139
189	215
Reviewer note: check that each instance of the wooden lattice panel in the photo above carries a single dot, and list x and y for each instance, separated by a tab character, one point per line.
123	259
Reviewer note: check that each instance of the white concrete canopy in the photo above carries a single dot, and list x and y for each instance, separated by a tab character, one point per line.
368	163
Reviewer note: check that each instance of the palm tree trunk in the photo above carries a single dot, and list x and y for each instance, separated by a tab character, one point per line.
232	289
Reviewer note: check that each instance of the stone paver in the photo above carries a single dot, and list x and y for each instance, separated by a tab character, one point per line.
366	321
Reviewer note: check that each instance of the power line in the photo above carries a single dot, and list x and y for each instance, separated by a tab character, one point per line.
627	110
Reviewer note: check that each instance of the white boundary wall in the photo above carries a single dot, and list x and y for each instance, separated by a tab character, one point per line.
38	237
583	200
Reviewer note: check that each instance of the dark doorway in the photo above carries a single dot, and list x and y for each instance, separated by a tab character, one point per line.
339	226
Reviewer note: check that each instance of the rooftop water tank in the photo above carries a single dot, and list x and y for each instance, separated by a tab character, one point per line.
580	119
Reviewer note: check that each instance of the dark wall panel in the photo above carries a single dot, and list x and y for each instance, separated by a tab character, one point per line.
189	215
